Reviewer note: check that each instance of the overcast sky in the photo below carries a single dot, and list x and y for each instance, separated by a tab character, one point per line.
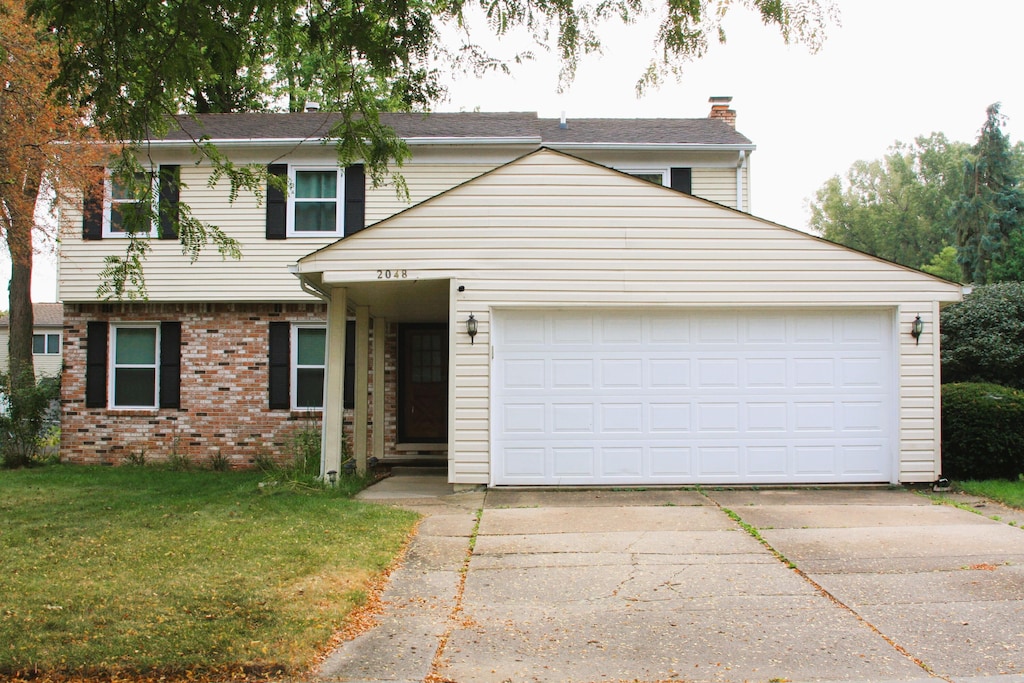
893	70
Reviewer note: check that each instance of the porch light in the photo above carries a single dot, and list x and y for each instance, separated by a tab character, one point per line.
916	329
471	328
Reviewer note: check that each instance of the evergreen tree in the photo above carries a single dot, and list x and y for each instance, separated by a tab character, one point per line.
989	214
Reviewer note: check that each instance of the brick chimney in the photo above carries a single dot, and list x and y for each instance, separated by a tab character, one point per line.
720	110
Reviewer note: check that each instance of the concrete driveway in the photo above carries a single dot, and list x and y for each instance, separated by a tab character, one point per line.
659	585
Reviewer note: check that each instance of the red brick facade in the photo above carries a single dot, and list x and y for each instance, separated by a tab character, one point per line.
224	408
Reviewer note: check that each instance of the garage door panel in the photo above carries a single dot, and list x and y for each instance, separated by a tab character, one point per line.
627	398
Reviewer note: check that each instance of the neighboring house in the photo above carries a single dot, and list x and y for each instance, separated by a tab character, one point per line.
47	330
537	314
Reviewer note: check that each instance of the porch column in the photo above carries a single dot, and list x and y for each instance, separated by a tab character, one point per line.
362	397
334	393
379	334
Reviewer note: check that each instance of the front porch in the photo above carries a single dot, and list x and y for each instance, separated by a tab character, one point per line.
389	342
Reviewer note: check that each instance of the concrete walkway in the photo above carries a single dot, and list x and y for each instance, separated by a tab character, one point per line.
665	585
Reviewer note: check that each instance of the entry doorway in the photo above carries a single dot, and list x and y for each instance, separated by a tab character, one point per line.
423	383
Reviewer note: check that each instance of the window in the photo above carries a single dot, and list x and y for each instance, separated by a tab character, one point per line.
126	210
316	204
309	348
48	344
652	176
134	362
297	365
678	177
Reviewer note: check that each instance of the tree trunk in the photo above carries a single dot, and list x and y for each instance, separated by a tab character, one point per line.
19	242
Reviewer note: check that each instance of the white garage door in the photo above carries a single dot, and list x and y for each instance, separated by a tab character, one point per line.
616	397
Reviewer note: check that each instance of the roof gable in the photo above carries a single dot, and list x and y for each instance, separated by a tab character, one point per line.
549	211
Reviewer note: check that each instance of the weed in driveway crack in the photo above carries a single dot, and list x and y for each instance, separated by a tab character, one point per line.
456	613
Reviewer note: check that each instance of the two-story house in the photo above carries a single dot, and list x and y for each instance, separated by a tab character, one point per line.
581	301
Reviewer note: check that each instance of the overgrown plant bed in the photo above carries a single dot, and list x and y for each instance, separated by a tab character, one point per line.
145	571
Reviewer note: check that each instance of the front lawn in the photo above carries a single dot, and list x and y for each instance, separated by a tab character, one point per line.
146	570
1009	493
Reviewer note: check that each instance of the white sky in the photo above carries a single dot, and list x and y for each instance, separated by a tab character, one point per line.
893	70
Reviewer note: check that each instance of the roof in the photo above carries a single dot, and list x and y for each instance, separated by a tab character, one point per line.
476	126
43	315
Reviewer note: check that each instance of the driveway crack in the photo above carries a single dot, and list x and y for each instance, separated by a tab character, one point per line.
756	535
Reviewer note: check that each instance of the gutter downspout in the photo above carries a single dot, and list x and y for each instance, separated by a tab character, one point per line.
311	289
741	165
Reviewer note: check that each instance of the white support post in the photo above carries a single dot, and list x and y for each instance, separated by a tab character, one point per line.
362	370
380	327
334	402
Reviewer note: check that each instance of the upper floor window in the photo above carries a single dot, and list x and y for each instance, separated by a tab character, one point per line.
47	344
316	203
127	211
656	176
134	356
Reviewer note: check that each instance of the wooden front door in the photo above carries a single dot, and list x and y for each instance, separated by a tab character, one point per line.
423	383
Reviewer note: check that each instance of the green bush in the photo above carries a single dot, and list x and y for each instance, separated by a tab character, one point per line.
24	418
983	336
982	431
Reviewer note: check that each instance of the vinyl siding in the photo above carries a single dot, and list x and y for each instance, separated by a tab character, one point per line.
262	273
550	231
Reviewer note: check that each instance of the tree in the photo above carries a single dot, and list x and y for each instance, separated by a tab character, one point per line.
44	145
896	207
989	214
944	265
138	62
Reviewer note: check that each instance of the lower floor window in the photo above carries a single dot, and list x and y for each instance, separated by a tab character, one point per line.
309	347
134	364
48	344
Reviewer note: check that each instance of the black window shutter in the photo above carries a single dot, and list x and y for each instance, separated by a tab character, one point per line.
280	366
170	364
355	198
92	210
682	180
277	205
350	364
96	364
170	183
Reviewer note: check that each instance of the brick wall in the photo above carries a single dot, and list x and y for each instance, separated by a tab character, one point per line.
224	394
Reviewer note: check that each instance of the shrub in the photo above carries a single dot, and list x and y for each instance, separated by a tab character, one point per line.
24	419
983	336
982	431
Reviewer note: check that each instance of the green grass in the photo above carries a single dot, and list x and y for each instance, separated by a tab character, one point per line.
1009	493
139	569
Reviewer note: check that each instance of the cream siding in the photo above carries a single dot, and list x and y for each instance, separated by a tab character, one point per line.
552	231
262	273
718	185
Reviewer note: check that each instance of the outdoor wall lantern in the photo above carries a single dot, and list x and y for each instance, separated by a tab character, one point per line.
471	328
916	329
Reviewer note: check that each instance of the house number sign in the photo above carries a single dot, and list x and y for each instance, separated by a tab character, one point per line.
396	274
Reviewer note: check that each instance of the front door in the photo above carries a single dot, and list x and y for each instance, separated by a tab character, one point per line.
423	383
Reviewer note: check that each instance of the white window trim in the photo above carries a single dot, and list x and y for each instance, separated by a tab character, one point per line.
108	205
663	172
112	367
46	336
339	214
293	363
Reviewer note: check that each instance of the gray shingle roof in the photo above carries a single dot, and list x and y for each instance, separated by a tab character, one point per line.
473	125
43	315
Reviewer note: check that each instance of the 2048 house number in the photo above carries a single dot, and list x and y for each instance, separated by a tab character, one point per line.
392	274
